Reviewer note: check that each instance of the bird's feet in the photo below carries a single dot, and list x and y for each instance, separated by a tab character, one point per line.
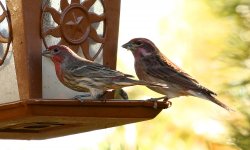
83	97
102	96
165	98
120	94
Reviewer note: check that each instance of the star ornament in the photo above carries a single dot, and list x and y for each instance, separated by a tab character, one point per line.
75	25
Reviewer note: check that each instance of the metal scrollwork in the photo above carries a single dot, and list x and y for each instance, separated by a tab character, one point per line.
75	25
4	39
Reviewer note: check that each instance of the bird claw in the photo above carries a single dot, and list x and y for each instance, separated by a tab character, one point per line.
102	97
83	97
155	105
169	103
121	94
165	98
156	99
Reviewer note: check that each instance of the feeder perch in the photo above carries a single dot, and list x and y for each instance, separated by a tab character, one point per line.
33	104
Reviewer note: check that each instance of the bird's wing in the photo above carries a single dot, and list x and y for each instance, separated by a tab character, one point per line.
94	70
162	68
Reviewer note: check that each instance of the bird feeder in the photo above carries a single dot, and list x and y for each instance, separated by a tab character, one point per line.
33	104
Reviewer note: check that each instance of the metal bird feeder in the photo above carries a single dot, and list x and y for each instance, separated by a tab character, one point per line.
33	104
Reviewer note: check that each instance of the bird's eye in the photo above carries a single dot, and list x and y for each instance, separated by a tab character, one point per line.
56	50
138	43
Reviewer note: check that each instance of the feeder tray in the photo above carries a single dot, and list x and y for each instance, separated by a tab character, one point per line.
41	119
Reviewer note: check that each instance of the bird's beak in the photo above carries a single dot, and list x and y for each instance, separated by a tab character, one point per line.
128	46
47	53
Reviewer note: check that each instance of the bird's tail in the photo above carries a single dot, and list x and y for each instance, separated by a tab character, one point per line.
216	101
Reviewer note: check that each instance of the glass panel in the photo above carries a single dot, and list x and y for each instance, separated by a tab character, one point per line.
97	7
8	88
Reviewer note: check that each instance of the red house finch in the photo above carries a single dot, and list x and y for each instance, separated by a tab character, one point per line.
151	65
82	75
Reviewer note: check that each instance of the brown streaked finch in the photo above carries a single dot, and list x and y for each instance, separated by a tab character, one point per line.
152	66
80	74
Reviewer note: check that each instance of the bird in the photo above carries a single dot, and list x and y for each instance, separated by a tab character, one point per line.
80	74
152	66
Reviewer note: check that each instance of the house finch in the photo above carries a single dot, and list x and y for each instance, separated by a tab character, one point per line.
81	74
151	65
